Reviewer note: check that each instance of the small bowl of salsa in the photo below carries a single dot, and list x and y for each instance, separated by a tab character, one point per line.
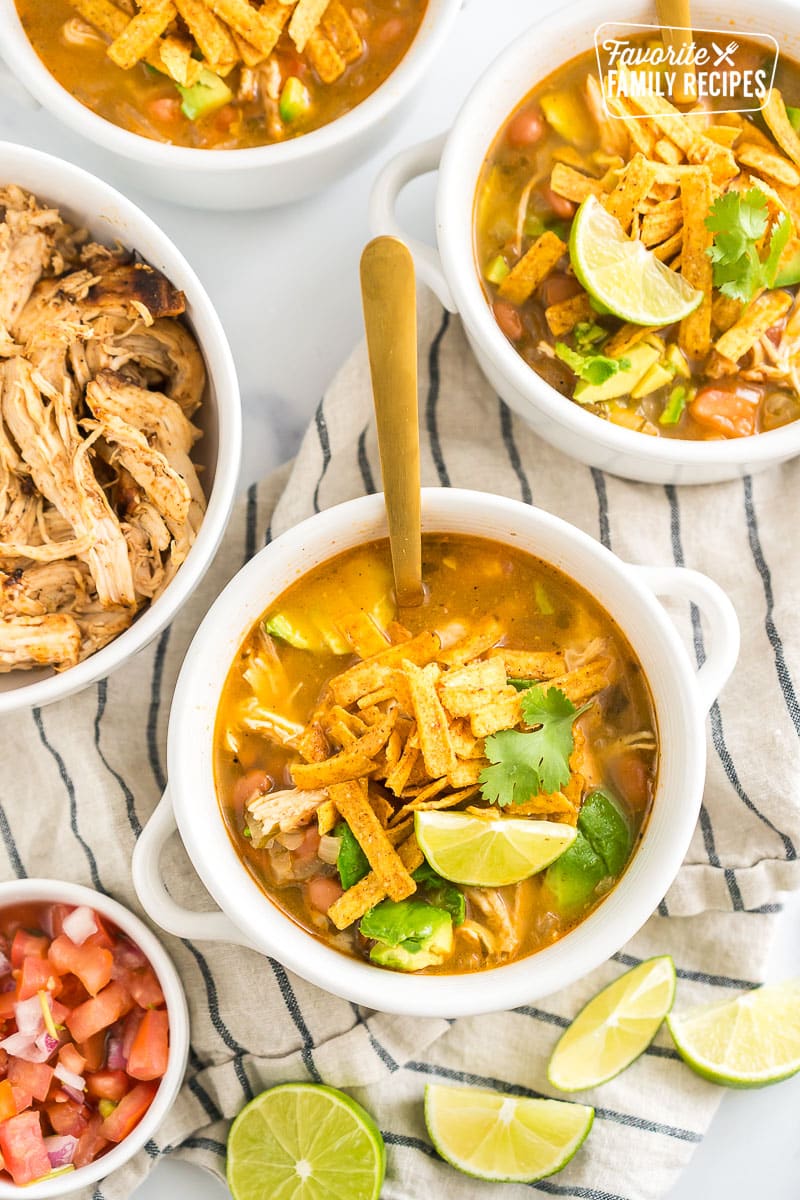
94	1036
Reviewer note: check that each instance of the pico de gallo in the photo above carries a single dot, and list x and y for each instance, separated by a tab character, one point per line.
84	1038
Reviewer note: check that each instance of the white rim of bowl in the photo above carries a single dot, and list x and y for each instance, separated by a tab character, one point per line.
461	271
53	891
597	937
34	75
223	493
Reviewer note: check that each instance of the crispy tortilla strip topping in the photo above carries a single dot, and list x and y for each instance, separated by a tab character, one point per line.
625	337
776	117
305	19
585	682
667	151
105	16
486	673
342	32
534	266
725	311
473	645
366	676
398	777
353	806
564	316
758	317
213	38
724	135
260	27
545	804
429	804
176	56
341	768
432	726
312	745
661	222
363	634
327	817
639	131
141	33
531	664
574	185
467	772
696	200
668	249
250	56
635	184
324	57
774	166
370	890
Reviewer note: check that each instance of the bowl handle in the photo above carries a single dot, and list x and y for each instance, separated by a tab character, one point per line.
156	900
399	171
722	623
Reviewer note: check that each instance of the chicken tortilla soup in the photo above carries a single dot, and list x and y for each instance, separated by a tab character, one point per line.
221	74
446	789
645	260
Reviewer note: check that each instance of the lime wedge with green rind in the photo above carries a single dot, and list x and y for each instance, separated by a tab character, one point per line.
489	851
748	1042
614	1028
305	1141
506	1139
622	275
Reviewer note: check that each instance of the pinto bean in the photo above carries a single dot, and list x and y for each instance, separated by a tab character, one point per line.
323	891
526	128
508	319
560	205
247	787
557	288
309	846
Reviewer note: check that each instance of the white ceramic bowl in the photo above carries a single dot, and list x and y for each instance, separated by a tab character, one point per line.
87	201
681	698
459	157
238	179
28	891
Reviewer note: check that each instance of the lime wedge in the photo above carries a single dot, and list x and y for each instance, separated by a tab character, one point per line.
620	274
508	1139
614	1028
747	1042
303	1141
489	851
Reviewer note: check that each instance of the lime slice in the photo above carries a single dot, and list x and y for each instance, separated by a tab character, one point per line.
305	1141
614	1028
619	273
489	851
747	1042
508	1139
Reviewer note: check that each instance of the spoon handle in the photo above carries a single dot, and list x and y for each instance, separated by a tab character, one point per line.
677	14
390	316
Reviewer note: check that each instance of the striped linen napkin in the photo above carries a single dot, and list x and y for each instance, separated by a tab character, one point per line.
82	777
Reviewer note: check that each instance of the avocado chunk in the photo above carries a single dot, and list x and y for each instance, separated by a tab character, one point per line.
566	113
657	377
573	877
600	851
641	358
409	935
204	97
789	271
294	100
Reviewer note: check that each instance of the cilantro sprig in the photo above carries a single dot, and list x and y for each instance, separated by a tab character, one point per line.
525	764
594	368
739	222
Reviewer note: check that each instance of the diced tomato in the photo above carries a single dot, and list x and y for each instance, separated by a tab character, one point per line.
70	1058
107	1084
3	1064
72	991
68	1117
7	1002
93	1050
143	985
28	945
58	1011
90	1143
23	1149
7	1106
129	1031
57	914
31	1077
632	779
150	1050
99	1012
164	108
37	975
129	1112
102	935
729	412
22	1099
91	964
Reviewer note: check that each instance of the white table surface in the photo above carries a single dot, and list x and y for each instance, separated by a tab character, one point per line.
285	283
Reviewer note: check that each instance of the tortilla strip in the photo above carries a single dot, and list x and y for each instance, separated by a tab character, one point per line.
176	55
382	808
774	166
213	39
467	773
574	185
260	27
473	645
694	336
377	735
324	57
638	130
564	316
668	249
369	891
363	634
432	725
431	805
339	768
776	117
661	222
326	817
103	15
625	337
724	135
305	19
250	56
486	673
530	664
534	266
634	185
725	311
366	676
353	806
543	804
141	33
504	712
465	744
397	779
463	702
342	32
667	151
580	685
759	316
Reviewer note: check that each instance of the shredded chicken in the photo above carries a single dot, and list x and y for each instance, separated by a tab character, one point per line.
100	501
282	812
490	908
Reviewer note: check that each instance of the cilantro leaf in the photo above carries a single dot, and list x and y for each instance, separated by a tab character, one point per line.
524	764
738	222
594	368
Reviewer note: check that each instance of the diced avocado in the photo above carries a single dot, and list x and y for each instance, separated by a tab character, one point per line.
794	117
674	408
677	361
409	935
658	376
543	600
497	269
601	849
641	358
282	628
440	892
789	270
294	101
351	863
566	113
573	877
204	97
603	821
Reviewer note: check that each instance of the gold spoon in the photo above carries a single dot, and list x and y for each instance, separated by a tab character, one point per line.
389	299
677	13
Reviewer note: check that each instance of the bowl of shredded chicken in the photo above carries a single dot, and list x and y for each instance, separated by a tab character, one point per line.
102	495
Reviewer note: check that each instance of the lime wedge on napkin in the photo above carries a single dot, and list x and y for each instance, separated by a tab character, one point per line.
486	851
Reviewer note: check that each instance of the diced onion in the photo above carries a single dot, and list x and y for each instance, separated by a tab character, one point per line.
69	1077
22	1045
60	1150
74	1093
5	965
290	840
329	847
79	925
115	1057
29	1017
